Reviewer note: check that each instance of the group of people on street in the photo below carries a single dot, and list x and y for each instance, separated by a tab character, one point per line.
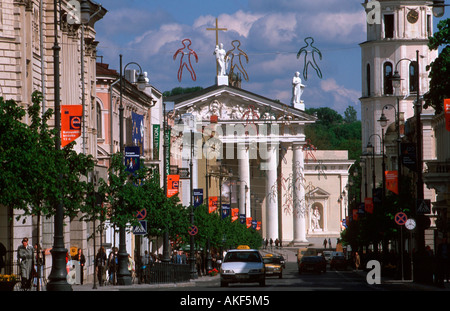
270	242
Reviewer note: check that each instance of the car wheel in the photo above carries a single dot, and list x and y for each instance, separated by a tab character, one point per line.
262	283
223	284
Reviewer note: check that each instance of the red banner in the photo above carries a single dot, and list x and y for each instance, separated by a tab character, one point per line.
249	222
258	225
355	214
212	205
392	181
234	214
173	185
368	205
70	123
447	113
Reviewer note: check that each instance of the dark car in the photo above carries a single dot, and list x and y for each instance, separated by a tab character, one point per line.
312	264
338	262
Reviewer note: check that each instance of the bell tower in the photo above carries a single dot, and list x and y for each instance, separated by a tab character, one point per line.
396	30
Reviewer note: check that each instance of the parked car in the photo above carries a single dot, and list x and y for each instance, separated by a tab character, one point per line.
312	264
328	255
273	265
242	265
338	262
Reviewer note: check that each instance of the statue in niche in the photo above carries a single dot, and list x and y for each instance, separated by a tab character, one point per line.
315	219
297	89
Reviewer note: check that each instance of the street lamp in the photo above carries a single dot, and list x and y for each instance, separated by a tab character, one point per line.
123	274
370	147
438	8
396	81
58	274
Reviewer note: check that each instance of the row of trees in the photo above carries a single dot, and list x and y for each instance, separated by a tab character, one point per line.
30	181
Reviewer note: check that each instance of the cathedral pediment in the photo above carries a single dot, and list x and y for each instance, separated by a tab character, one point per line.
225	104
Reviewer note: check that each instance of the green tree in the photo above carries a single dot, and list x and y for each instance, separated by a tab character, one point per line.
32	167
439	68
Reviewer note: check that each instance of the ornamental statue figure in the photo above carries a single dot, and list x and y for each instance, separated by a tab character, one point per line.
221	59
297	89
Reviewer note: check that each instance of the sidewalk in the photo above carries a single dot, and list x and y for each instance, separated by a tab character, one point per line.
111	288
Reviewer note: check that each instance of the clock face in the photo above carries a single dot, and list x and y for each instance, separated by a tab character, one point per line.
413	16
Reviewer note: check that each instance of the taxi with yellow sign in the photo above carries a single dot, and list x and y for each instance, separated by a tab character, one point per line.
273	265
242	265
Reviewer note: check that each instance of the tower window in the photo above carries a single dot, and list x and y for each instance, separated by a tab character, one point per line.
389	26
387	76
368	79
413	77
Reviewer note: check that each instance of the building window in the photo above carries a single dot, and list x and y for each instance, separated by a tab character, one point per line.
429	26
413	77
389	26
368	79
99	121
387	76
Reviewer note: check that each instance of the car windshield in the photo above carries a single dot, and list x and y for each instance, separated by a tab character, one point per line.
242	257
275	260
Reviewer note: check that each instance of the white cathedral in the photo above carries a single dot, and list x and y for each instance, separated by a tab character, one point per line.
252	152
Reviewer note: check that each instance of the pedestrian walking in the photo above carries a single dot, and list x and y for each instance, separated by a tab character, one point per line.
39	266
357	260
100	263
329	242
25	259
82	260
325	243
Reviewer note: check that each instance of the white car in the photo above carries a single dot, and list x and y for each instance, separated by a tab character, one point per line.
242	265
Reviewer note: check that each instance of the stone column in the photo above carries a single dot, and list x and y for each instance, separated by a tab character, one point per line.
299	213
272	192
244	176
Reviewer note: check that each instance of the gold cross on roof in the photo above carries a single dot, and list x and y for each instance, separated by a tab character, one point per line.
217	29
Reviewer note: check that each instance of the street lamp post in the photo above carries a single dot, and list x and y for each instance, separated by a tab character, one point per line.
420	231
58	274
192	238
166	244
123	274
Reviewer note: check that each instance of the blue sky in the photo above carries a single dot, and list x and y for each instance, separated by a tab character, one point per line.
271	33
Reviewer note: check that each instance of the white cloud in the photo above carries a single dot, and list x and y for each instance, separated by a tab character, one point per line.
342	96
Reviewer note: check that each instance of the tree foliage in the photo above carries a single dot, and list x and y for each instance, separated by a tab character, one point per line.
439	68
35	175
333	132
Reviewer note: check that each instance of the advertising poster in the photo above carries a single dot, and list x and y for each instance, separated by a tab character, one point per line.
71	122
447	113
137	134
392	181
212	204
173	185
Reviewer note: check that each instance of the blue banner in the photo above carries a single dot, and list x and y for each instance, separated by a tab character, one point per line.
226	210
198	197
137	134
132	159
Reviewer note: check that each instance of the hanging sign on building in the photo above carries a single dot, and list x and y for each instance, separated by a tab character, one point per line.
225	210
173	185
198	197
392	181
447	113
137	134
71	122
156	137
132	159
212	204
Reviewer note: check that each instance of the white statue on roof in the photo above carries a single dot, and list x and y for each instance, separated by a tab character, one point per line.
297	89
